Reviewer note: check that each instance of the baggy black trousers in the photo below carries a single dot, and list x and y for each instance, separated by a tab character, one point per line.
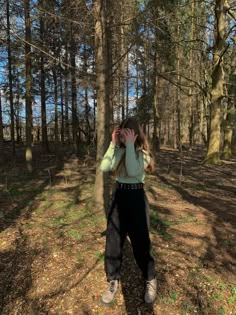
128	215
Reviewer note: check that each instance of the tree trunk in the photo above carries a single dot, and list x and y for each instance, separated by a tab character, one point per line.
228	136
178	110
42	88
28	100
1	131
122	68
191	76
62	108
56	108
156	116
18	127
103	70
173	124
67	131
86	99
127	85
234	142
74	92
10	80
87	126
228	133
217	90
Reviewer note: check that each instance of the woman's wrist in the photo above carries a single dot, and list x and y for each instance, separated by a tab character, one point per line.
114	145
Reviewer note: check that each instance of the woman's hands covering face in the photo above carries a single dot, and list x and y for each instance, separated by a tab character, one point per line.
123	135
129	135
115	136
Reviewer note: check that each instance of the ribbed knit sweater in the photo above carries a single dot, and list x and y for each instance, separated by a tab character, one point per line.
135	164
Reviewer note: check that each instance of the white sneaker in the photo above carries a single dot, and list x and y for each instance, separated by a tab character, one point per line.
150	291
109	294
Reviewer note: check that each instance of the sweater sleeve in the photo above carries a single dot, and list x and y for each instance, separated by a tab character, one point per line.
135	163
111	158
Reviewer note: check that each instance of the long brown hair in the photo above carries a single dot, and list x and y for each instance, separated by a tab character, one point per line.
141	143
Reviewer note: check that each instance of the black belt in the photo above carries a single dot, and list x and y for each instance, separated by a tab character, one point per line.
129	186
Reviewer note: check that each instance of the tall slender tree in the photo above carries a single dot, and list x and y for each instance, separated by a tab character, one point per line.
62	108
9	55
55	80
28	87
42	83
1	131
103	72
66	87
74	88
217	90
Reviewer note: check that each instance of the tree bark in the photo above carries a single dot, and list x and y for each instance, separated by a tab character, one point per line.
122	70
62	108
103	71
234	142
56	107
228	133
178	109
66	74
1	131
191	76
74	91
42	87
127	85
28	95
217	90
156	116
86	100
10	79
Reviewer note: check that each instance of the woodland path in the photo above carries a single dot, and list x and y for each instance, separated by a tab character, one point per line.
52	240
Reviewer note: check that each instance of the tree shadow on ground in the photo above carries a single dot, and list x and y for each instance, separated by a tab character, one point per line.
20	190
213	189
26	192
210	193
221	216
181	269
16	280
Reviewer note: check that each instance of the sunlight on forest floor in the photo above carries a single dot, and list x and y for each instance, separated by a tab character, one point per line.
52	241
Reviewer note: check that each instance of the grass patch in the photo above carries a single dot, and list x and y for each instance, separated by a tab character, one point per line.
218	294
186	219
80	260
171	298
230	243
100	256
221	311
232	299
75	234
188	308
159	226
45	206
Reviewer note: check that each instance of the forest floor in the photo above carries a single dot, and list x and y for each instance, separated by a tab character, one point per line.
52	240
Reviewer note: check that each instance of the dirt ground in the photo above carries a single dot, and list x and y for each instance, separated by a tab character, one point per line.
52	240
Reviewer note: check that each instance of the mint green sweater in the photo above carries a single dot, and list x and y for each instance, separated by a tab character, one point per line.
135	163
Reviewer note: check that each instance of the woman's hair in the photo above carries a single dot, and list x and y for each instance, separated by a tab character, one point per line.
141	142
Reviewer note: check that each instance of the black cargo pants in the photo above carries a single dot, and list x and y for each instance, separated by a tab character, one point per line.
128	215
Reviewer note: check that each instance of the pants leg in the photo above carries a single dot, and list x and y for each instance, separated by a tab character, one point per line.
138	231
115	237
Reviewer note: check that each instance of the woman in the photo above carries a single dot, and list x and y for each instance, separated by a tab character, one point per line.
129	157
